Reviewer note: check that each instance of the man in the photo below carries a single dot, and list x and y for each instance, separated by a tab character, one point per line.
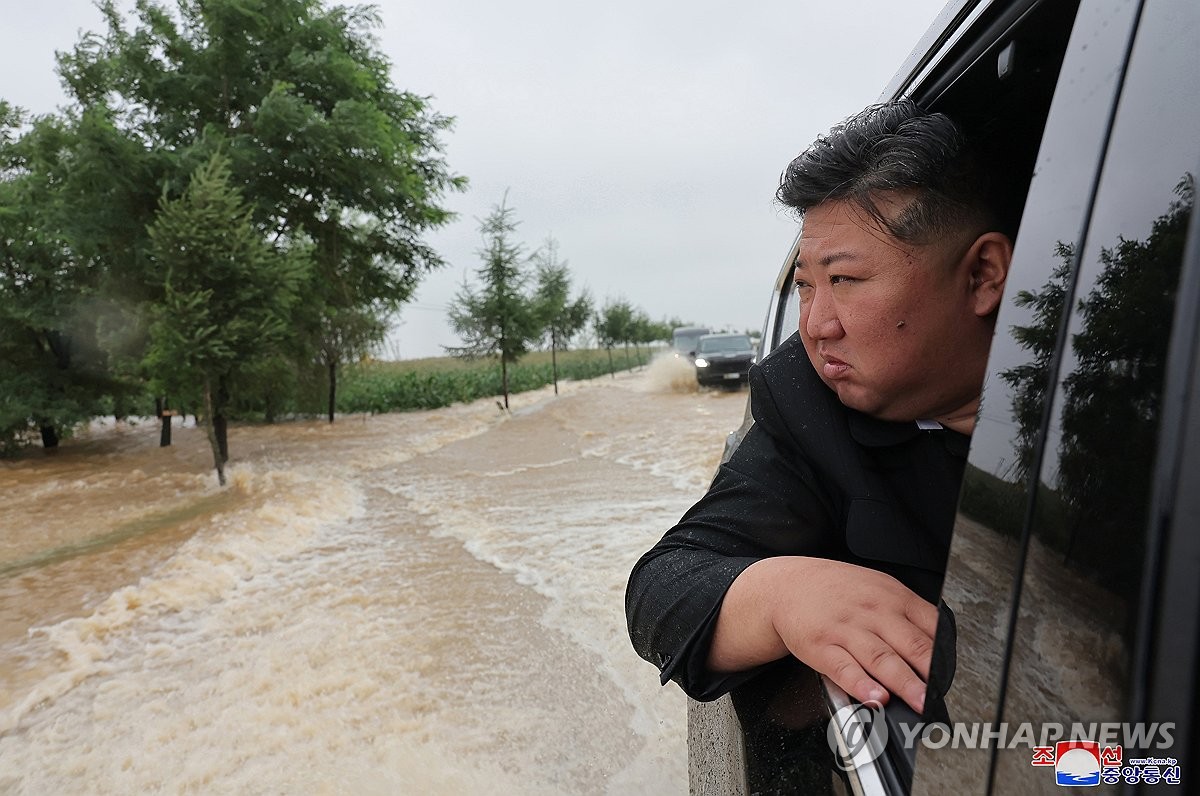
825	535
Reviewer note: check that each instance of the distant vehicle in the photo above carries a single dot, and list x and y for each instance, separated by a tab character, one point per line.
684	339
724	359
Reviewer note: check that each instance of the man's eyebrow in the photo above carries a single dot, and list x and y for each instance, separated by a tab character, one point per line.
828	259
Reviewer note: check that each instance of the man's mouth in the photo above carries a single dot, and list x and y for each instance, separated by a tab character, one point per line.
833	368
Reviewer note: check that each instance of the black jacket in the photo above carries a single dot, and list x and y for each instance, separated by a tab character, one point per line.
813	478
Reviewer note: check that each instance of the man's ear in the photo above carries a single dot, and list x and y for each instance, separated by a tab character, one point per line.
989	258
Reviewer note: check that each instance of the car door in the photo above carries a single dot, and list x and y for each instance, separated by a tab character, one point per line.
1067	521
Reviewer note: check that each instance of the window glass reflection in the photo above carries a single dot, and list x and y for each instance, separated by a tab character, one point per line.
1071	658
985	552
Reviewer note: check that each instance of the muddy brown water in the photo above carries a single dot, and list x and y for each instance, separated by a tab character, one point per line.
427	602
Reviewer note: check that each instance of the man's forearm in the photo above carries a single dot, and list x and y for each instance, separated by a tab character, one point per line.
861	627
745	635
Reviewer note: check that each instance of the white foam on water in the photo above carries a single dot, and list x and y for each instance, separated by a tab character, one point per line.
528	468
669	373
575	542
210	565
317	638
281	651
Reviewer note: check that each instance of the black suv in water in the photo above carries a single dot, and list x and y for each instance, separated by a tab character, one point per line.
1074	571
724	360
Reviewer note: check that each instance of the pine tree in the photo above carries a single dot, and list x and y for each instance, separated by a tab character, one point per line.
227	295
560	318
497	319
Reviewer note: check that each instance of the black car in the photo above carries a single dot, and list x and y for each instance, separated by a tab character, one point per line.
724	360
1074	571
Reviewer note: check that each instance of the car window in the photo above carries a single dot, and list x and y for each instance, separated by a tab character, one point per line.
986	552
790	319
687	342
714	345
1071	660
783	313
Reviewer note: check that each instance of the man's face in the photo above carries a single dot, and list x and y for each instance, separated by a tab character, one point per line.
891	327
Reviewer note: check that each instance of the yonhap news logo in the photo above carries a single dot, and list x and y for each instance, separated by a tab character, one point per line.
857	734
1082	755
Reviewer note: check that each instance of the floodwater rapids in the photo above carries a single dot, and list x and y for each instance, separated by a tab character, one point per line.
426	602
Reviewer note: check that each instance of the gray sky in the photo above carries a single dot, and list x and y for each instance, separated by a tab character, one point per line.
647	137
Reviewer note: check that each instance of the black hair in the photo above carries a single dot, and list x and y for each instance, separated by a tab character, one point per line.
894	148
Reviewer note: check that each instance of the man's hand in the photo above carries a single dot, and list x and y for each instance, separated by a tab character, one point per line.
863	629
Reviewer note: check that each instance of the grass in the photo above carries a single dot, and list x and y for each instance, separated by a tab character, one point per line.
405	385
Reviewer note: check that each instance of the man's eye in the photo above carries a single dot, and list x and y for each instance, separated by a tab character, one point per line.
839	279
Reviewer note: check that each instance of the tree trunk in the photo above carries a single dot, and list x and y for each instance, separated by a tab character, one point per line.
610	363
504	378
210	427
49	437
626	355
220	423
554	361
638	351
164	433
221	429
332	387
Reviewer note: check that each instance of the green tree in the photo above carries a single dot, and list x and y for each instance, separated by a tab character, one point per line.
497	319
559	316
646	332
52	373
1113	395
662	331
614	324
227	295
323	146
1030	380
346	333
1110	391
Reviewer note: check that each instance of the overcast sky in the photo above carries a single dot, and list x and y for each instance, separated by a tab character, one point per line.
646	136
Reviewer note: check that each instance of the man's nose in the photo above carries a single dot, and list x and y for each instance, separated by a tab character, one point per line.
820	319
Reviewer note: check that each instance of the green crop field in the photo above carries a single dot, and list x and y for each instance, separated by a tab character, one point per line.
377	386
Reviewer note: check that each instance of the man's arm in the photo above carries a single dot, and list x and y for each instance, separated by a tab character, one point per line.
862	628
756	508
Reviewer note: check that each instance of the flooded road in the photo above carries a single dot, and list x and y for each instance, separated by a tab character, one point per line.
428	602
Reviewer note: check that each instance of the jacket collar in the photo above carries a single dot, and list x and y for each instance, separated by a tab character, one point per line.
871	432
875	433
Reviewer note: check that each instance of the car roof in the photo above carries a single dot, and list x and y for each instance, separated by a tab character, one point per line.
932	45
